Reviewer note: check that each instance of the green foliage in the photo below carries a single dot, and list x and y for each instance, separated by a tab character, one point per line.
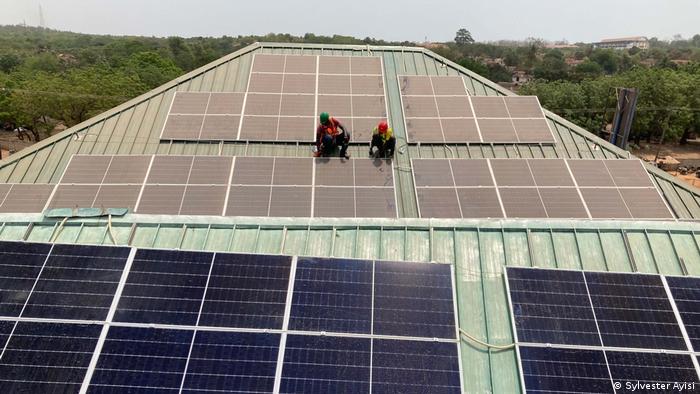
152	69
9	62
474	66
464	37
606	58
553	67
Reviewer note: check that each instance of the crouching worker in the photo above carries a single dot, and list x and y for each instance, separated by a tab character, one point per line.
383	138
331	134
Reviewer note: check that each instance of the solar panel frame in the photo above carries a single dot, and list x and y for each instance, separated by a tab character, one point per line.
26	198
685	295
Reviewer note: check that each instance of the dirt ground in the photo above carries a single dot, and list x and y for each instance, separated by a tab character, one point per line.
688	155
9	143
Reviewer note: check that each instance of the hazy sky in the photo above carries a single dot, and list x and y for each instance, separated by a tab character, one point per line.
396	20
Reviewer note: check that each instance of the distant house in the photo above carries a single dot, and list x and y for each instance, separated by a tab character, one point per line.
623	43
521	77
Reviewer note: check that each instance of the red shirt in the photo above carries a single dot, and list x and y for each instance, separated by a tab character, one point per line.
331	128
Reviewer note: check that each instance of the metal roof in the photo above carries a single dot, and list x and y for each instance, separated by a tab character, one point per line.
478	248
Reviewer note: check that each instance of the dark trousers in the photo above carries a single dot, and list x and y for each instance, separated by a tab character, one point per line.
328	144
383	148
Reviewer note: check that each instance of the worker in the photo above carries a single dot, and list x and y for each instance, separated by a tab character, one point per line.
383	138
330	134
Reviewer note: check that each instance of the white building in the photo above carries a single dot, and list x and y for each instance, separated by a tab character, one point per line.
623	43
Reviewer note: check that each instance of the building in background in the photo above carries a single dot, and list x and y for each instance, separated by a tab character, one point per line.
623	43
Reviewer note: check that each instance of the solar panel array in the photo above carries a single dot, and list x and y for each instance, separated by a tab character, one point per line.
284	96
601	332
536	188
117	319
438	109
220	185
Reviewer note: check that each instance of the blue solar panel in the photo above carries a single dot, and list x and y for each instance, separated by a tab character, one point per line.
47	357
77	282
631	370
686	293
552	306
400	366
20	264
141	360
413	299
232	362
332	295
634	311
164	287
5	331
321	364
552	370
247	291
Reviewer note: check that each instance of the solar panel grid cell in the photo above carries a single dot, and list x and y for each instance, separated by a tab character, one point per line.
686	295
26	198
20	265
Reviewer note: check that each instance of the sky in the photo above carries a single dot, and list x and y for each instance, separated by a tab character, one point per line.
392	20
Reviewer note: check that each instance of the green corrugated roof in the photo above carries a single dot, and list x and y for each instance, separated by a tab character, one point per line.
479	249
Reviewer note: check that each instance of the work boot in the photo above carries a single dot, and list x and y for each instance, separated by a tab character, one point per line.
345	155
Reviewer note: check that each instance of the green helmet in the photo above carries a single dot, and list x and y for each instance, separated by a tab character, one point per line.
325	117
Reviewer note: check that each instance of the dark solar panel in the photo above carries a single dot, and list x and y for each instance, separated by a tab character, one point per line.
631	370
164	287
415	85
333	65
290	201
605	203
259	128
127	169
246	291
362	128
299	83
296	128
334	84
331	202
248	201
298	105
479	203
170	169
552	306
424	130
77	282
334	172
524	107
268	63
460	130
117	196
551	370
210	170
20	265
367	84
26	198
300	64
375	202
522	202
420	107
489	107
86	169
74	196
376	172
253	171
457	107
590	173
438	203
203	200
47	357
222	127
321	364
159	199
293	171
563	203
183	127
366	65
401	310
336	106
512	172
190	103
232	362
550	172
332	295
532	130
368	106
225	104
448	85
686	294
141	360
434	172
645	203
6	328
633	311
265	83
473	172
497	130
628	173
262	104
415	367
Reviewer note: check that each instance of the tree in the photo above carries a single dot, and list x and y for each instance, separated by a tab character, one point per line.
475	66
464	37
606	58
588	69
152	69
9	62
553	67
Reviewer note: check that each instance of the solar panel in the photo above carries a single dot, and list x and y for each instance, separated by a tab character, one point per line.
432	172
294	201
532	130
300	64
367	84
448	85
686	295
119	196
225	104
628	173
164	287
26	198
20	265
562	203
479	203
297	105
268	63
248	201
425	130
605	203
246	291
71	196
489	107
371	65
369	106
524	107
331	202
460	129
471	172
295	128
415	85
512	172
253	171
190	103
551	306
77	282
645	203
438	203
86	169
550	172
203	200
634	311
420	107
210	170
265	83
497	130
293	171
334	65
223	127
259	127
332	295
590	173
376	172
375	202
161	199
299	83
652	369
262	104
400	310
453	106
183	127
170	170
547	370
334	84
47	357
125	170
522	202
6	328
